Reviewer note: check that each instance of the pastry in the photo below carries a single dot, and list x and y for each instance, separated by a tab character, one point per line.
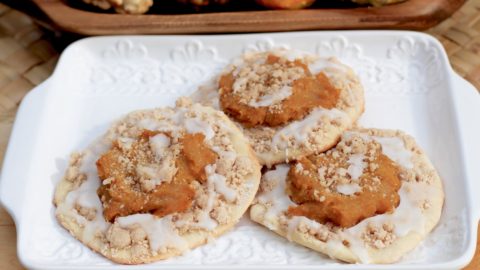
158	183
371	199
123	6
285	4
289	103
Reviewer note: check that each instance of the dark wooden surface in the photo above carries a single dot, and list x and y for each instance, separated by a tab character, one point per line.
412	14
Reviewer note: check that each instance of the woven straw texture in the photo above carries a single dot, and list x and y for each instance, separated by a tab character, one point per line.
460	35
27	58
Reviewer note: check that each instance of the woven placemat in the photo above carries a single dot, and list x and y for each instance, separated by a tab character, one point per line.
28	56
460	35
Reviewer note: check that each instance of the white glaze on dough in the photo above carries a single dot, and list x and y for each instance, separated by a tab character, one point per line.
301	129
159	144
356	166
220	184
86	195
158	173
407	216
161	232
216	184
394	148
348	189
276	198
267	100
204	220
195	125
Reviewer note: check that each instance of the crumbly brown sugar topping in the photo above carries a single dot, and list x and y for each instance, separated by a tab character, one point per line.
274	92
379	236
263	84
136	179
345	185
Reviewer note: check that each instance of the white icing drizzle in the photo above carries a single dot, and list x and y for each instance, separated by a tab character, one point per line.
86	195
357	246
225	155
292	226
215	184
394	148
159	143
204	220
267	100
239	63
180	119
277	199
347	135
295	221
208	94
148	123
348	189
220	184
195	125
88	200
259	58
161	232
301	129
356	166
240	83
406	218
154	125
158	173
125	143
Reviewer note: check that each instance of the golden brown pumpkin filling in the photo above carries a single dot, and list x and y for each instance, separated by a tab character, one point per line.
313	182
307	92
120	170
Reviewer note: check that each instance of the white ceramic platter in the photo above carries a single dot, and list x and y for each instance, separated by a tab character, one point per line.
409	85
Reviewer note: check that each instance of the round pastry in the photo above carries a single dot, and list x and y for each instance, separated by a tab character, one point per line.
371	199
159	183
123	6
285	4
289	103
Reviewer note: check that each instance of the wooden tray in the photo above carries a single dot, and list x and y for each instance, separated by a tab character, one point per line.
413	14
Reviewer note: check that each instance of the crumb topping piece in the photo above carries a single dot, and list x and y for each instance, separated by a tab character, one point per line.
274	92
136	178
345	185
379	236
